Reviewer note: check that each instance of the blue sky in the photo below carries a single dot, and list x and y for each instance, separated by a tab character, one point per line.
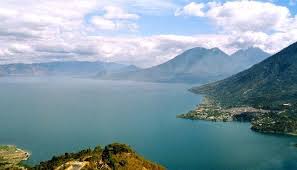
139	32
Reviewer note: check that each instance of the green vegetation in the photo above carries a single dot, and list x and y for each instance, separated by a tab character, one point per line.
8	148
282	122
269	85
114	156
121	156
83	155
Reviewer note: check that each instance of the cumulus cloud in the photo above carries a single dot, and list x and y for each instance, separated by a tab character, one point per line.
103	23
115	18
251	23
113	12
192	9
249	16
55	30
32	31
152	50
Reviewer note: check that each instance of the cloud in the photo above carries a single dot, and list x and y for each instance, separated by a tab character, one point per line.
113	12
250	23
142	51
55	30
249	16
115	18
103	23
113	25
51	30
153	50
192	9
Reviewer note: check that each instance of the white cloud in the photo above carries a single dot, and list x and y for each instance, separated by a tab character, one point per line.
54	30
251	23
103	23
113	12
192	9
113	25
153	50
50	30
38	31
115	18
249	16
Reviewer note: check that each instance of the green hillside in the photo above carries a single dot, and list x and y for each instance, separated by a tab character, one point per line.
269	84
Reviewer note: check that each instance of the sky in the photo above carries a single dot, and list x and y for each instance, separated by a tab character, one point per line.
139	32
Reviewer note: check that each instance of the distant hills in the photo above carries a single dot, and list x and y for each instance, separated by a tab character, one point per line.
197	65
271	83
67	68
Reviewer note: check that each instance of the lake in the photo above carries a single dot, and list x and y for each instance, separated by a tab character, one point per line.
50	116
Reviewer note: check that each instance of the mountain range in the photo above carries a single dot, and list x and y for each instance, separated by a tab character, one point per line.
197	65
268	84
67	68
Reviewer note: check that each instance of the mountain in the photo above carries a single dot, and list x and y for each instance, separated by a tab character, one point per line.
67	68
245	58
197	65
270	84
108	72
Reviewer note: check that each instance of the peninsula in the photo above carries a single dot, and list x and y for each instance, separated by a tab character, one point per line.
11	157
210	109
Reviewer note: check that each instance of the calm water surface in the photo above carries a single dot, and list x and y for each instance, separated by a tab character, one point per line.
49	116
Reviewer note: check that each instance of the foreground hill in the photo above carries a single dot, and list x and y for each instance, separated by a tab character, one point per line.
67	68
270	83
197	65
112	157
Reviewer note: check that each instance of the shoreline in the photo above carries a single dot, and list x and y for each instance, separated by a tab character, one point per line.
273	132
262	121
12	157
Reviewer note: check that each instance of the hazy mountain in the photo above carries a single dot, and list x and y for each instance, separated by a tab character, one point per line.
245	58
269	83
108	72
197	65
67	68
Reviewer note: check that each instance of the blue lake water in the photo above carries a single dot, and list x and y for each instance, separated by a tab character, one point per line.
50	116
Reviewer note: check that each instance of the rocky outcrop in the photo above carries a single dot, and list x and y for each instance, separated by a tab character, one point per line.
11	156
